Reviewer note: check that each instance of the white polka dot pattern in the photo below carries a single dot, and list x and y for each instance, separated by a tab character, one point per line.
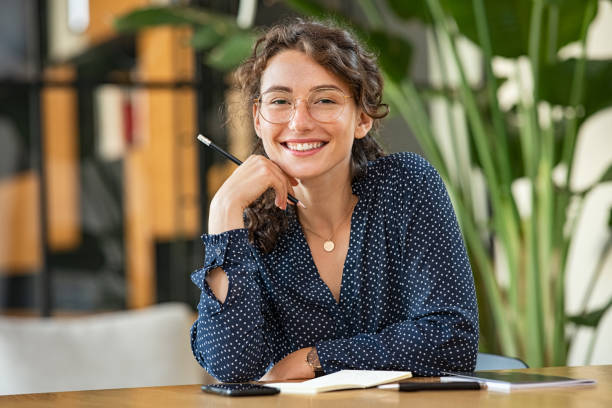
407	299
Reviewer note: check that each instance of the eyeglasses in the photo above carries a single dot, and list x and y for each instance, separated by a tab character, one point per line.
324	105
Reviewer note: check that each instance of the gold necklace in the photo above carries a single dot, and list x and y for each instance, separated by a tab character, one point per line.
328	243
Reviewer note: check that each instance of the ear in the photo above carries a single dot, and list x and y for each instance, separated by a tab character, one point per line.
256	120
364	124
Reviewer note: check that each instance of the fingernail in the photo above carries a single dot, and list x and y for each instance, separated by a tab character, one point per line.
301	204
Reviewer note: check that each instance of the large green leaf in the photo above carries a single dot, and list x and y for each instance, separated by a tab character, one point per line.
228	44
508	22
148	17
174	15
409	10
556	79
607	175
394	53
314	9
590	319
205	37
231	51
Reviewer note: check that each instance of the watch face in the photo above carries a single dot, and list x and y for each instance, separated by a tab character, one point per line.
313	359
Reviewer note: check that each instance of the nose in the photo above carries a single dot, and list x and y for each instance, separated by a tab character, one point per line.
301	120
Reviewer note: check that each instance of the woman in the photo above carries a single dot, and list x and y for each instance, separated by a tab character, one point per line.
370	272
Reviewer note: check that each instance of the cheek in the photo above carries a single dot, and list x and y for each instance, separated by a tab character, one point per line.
268	135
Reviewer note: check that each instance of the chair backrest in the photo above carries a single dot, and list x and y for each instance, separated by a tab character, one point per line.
136	348
485	361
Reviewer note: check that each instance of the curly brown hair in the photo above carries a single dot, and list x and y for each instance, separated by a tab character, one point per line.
337	50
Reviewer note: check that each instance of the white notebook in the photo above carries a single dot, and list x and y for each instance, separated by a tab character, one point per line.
342	380
515	380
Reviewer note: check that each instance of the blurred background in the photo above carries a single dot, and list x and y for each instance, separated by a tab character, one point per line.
104	190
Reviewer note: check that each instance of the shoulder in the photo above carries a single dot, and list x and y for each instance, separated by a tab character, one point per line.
405	168
398	180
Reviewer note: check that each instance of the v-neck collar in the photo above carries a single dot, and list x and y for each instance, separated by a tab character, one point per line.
349	286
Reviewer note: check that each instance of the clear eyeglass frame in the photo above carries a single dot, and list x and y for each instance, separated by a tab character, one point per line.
313	113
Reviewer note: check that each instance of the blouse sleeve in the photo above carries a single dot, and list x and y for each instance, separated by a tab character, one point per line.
441	333
228	338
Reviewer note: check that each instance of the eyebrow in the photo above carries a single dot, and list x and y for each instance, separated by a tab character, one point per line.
314	88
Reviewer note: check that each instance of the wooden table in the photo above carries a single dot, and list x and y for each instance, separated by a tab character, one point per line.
186	396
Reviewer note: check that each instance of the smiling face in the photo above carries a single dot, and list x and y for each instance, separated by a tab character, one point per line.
304	147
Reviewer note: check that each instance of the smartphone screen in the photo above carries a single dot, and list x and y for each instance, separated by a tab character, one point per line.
239	389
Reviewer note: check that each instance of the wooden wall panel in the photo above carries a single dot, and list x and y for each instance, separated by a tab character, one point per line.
164	55
59	122
20	246
164	174
188	169
139	245
103	12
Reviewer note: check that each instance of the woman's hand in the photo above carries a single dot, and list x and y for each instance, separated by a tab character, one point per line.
293	366
250	180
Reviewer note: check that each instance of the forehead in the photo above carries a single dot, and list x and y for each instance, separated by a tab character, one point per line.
298	72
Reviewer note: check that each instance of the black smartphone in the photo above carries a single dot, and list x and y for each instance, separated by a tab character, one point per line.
239	389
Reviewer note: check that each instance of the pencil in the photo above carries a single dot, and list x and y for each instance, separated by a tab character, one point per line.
233	158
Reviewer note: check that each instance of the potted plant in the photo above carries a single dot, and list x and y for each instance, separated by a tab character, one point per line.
530	140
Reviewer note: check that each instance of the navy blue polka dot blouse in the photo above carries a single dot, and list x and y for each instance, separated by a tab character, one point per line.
407	299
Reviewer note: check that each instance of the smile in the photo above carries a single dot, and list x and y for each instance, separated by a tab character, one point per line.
303	147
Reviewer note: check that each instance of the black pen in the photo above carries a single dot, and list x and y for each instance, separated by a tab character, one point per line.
210	144
434	386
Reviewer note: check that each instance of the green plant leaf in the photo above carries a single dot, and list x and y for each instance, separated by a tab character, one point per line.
598	86
149	17
205	37
231	51
508	22
606	176
174	15
590	319
394	53
313	9
409	10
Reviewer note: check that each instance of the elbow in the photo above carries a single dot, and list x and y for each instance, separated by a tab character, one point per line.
235	374
224	368
460	354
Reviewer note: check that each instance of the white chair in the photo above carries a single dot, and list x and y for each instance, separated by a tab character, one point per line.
137	348
486	361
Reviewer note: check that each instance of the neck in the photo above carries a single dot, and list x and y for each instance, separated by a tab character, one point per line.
327	204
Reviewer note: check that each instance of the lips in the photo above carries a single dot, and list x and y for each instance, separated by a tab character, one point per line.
303	147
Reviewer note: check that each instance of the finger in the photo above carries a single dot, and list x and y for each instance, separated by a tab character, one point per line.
281	198
279	184
277	179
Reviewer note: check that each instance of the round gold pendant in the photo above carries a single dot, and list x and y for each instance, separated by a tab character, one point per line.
328	246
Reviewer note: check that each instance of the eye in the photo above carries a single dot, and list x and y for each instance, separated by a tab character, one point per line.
326	97
325	101
279	101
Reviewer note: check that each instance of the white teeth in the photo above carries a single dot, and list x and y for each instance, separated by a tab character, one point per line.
304	146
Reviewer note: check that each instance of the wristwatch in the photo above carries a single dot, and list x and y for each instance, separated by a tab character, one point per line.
312	359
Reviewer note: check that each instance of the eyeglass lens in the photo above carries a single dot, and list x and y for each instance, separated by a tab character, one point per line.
324	105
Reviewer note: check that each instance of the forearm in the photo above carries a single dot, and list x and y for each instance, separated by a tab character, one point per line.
227	353
228	338
293	366
425	347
